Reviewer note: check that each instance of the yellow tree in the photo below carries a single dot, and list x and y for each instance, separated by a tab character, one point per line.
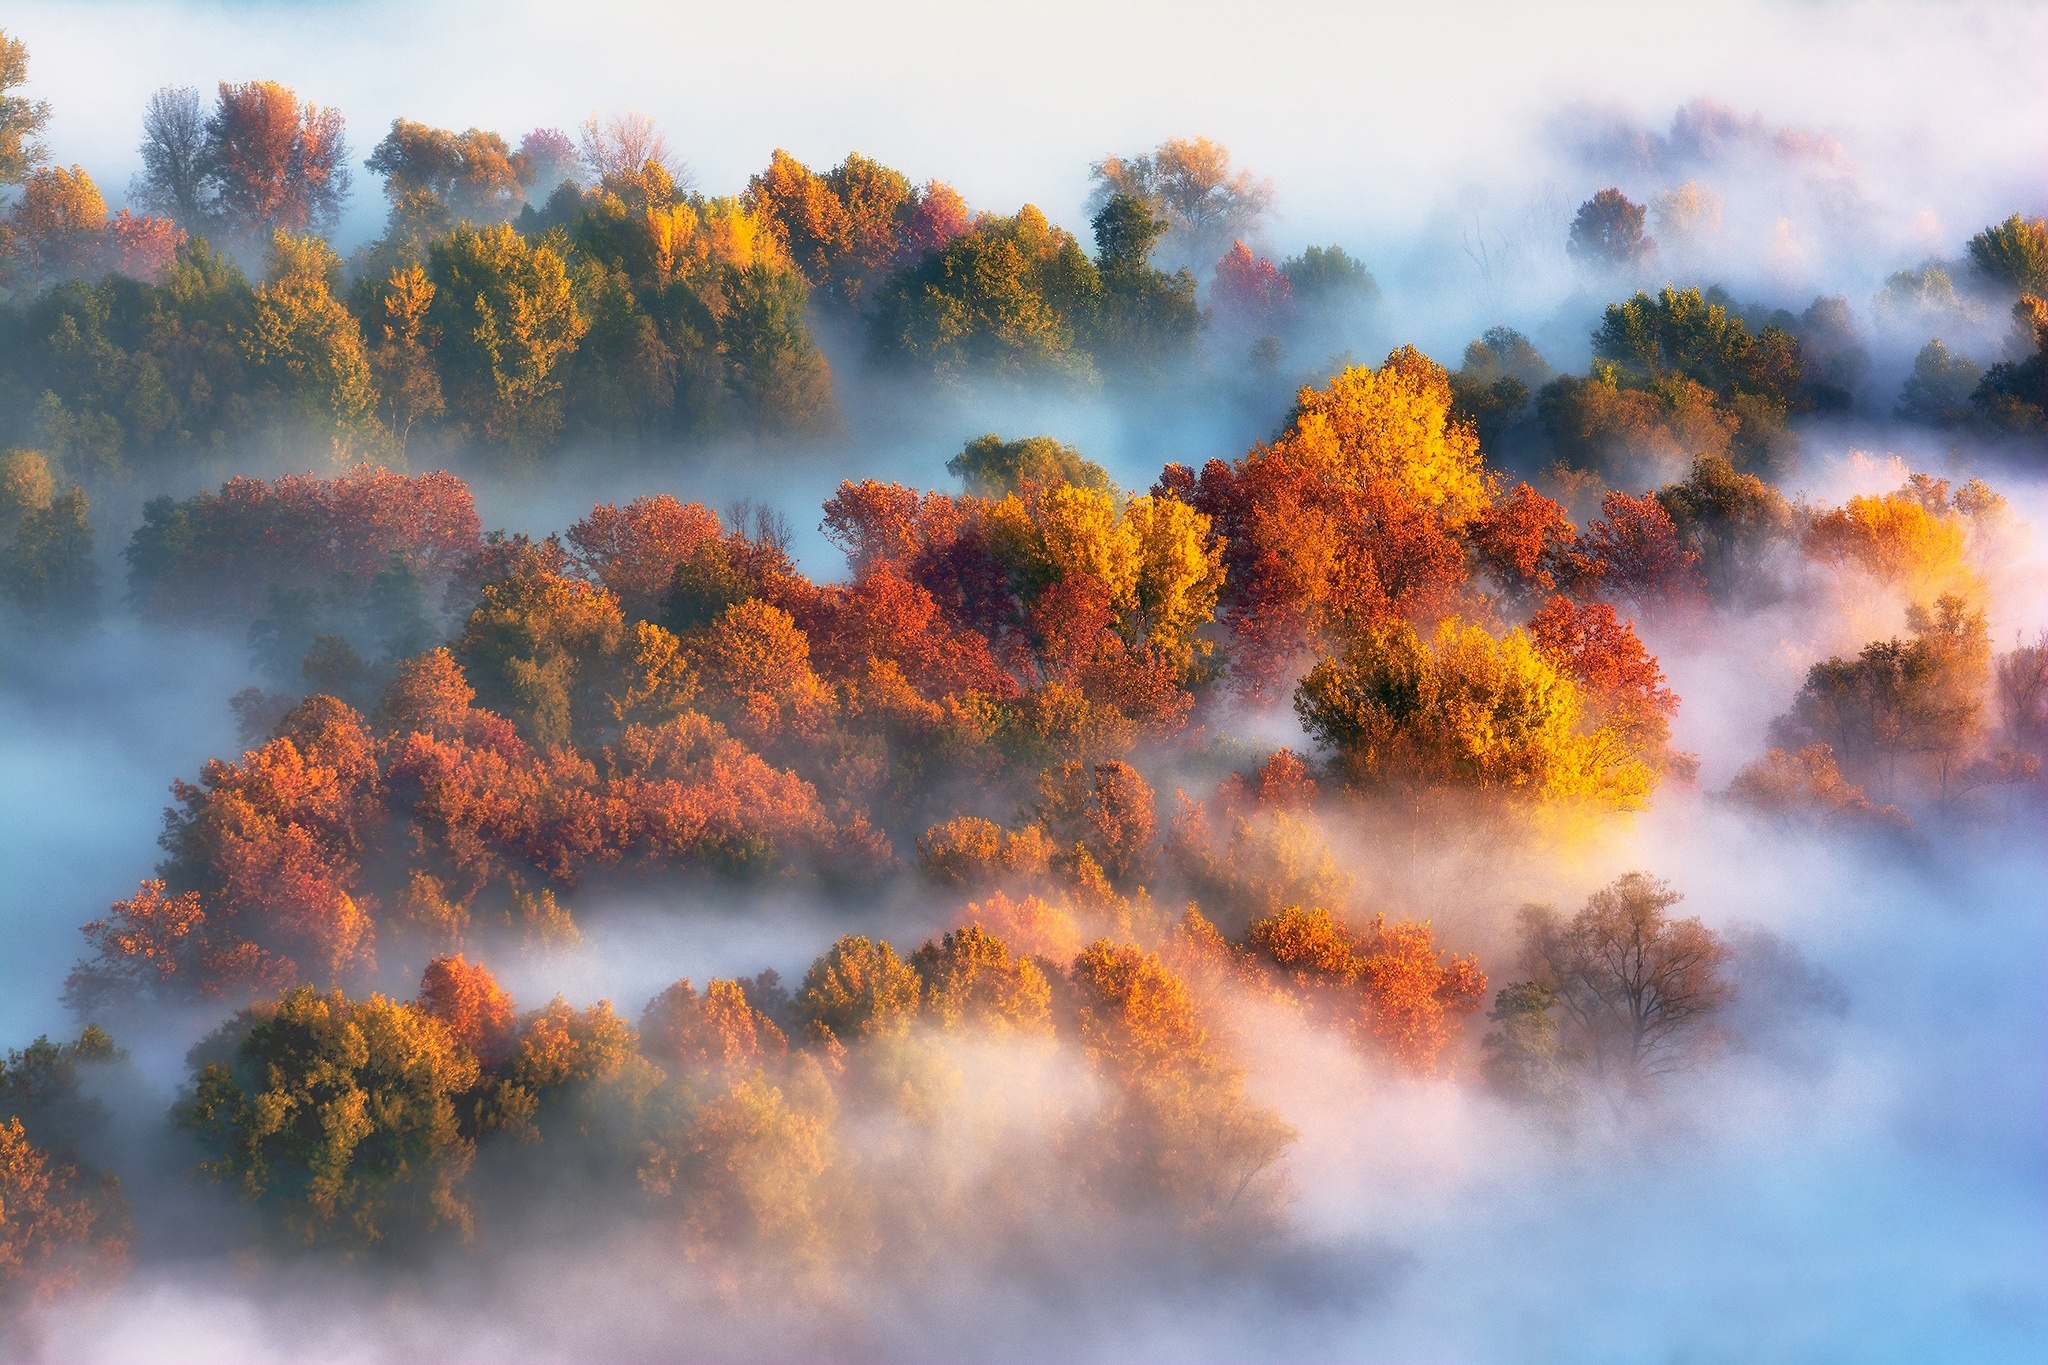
309	346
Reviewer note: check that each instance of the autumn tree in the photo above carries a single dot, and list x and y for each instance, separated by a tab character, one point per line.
1733	522
720	1031
1607	232
57	226
1465	710
1388	982
274	163
1806	786
970	979
471	177
1179	1129
1620	681
58	1229
22	120
1636	990
468	1000
634	550
859	989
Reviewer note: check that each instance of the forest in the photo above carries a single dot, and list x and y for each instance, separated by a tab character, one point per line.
1076	815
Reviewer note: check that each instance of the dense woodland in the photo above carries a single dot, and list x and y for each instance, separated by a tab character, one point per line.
1016	706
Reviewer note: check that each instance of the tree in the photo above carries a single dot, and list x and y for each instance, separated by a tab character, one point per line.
553	156
1622	685
468	1000
991	467
339	1115
1178	1128
47	572
2013	255
1465	710
634	550
1189	182
620	148
1526	1055
1011	296
720	1031
1147	319
473	176
859	989
274	164
305	341
1637	990
507	320
1900	699
401	355
1807	786
1608	233
56	1229
1734	522
1501	370
21	120
530	649
971	980
1634	554
58	226
172	181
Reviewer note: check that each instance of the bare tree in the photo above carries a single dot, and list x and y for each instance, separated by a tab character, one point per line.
1638	990
171	182
622	145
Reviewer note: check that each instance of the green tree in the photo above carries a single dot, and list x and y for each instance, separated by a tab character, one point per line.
47	570
536	648
305	342
1937	393
991	467
1147	319
2013	254
1012	297
342	1116
506	320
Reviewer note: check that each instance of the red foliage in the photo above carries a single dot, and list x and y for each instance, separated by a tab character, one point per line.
634	550
1525	542
1635	555
1250	291
1312	561
468	999
304	532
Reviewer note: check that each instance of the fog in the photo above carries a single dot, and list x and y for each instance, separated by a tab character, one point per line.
1862	1176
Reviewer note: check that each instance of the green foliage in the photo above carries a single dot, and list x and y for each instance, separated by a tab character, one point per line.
1938	391
1146	320
1526	1056
341	1116
991	467
535	649
1733	521
1492	388
507	319
2013	254
1012	297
